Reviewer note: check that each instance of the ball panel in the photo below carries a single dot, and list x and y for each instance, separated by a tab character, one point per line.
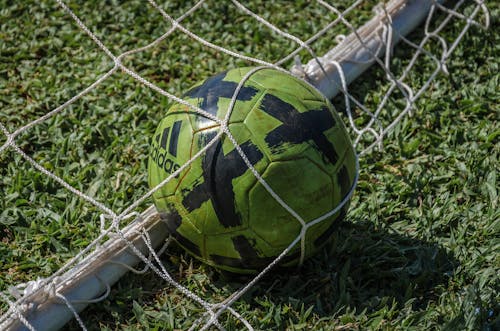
247	254
236	251
299	183
273	79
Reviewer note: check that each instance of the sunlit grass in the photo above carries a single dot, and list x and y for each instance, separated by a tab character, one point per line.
418	250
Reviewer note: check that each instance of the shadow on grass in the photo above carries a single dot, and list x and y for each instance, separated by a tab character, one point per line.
362	268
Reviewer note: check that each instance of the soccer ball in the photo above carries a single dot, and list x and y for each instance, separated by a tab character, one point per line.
216	208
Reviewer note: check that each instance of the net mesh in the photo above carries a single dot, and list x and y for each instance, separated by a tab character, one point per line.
117	71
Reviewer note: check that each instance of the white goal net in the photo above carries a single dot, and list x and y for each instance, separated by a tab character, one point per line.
398	48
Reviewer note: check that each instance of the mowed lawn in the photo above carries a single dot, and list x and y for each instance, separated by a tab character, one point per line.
419	249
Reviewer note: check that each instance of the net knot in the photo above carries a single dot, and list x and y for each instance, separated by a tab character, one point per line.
23	289
340	38
118	62
46	288
103	228
298	69
8	142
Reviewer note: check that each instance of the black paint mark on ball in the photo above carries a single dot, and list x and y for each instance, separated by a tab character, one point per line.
214	88
249	259
299	127
344	181
174	138
219	171
173	221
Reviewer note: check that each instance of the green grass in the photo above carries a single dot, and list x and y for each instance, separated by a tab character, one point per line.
418	251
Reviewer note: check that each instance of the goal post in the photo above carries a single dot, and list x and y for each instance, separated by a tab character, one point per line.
51	303
91	277
341	65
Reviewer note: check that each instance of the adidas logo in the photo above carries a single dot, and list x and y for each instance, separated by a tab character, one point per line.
159	153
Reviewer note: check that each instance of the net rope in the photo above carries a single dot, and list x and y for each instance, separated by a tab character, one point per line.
366	136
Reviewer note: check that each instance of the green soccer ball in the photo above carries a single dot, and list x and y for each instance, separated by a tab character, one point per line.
216	208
